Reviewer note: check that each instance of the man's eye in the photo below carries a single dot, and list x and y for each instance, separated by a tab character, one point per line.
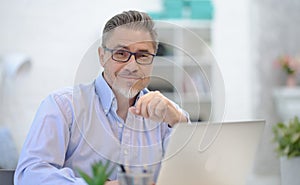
143	55
121	53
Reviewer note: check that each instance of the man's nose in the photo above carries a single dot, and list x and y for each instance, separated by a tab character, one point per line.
132	65
132	59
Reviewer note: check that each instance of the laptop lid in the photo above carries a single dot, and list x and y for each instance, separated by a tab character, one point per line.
211	153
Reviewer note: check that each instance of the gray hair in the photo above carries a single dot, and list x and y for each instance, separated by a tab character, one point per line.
133	20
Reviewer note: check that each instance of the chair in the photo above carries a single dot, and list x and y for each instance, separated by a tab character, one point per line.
7	176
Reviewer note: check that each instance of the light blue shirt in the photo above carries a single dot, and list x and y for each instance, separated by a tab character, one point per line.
79	126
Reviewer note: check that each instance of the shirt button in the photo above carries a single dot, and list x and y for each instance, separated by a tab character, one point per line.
120	125
125	152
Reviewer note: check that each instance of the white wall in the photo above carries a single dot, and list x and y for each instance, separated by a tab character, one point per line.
55	34
231	46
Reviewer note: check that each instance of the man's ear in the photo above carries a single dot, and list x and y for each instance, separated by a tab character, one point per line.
101	56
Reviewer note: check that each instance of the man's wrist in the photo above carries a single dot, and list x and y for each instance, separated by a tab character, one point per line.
180	119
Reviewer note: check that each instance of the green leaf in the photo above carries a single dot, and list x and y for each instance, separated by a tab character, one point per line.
100	172
295	137
287	137
86	177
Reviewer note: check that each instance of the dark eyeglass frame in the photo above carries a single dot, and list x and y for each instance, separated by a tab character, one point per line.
130	54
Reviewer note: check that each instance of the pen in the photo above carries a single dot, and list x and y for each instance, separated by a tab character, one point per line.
122	168
126	177
145	169
146	178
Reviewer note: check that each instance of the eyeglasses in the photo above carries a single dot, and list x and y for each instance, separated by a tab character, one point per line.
120	55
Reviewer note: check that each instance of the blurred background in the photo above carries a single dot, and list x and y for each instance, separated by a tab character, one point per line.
42	45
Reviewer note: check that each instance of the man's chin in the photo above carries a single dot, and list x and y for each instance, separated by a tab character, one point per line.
130	89
128	93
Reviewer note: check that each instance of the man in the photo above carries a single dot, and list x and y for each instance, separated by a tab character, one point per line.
115	118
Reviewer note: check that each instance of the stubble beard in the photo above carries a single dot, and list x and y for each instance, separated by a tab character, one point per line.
130	90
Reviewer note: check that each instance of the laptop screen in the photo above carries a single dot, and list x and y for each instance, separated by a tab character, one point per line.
211	153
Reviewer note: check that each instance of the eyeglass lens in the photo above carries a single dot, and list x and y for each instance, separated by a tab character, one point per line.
124	56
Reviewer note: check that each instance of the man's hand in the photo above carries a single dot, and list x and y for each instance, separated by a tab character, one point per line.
157	107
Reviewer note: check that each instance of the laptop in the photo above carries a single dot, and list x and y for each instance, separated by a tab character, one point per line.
211	153
6	176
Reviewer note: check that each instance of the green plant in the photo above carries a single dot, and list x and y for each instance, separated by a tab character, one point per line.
101	172
287	138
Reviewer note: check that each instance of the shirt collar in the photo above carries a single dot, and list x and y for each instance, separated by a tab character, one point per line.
106	95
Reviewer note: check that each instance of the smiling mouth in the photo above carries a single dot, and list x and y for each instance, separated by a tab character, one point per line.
130	77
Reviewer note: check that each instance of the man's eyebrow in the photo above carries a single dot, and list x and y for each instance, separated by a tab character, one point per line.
144	50
119	46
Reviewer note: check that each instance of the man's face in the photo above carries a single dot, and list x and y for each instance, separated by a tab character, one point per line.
127	78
